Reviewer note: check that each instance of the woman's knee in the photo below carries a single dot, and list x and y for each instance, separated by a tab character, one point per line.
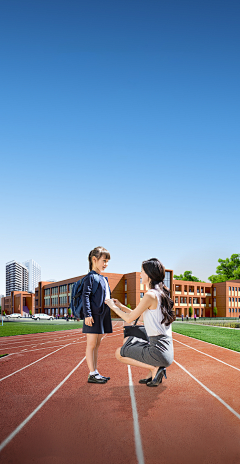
117	354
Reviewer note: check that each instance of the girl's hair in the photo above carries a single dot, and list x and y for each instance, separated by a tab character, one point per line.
98	252
156	272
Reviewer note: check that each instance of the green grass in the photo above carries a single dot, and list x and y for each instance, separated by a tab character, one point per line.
21	328
1	355
228	338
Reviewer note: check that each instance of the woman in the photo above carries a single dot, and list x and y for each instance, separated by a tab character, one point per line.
96	313
155	309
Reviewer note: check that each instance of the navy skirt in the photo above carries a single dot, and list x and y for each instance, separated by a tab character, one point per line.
102	323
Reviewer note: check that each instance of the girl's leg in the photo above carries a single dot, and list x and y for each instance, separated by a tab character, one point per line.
133	362
90	351
95	354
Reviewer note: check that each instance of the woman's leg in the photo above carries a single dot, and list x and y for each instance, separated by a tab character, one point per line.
133	362
92	340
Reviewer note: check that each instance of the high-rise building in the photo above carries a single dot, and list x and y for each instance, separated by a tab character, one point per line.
16	277
34	274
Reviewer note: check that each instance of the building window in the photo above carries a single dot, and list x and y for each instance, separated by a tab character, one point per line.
125	285
54	290
190	300
229	309
176	299
229	299
141	295
167	280
125	299
229	289
233	300
181	299
235	310
233	289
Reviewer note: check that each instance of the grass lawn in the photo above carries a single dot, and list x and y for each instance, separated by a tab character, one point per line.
228	338
21	328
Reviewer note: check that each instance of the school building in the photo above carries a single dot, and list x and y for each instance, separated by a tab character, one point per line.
54	297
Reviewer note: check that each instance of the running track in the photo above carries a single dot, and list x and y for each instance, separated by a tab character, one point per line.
50	414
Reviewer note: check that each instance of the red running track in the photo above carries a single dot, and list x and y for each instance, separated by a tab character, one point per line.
179	422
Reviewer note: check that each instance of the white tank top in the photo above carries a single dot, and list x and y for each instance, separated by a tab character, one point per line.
152	320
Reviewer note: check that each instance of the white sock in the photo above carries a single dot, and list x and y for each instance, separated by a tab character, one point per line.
92	373
97	375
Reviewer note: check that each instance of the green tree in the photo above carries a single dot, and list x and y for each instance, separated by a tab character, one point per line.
129	306
69	312
228	269
215	311
187	275
30	312
190	311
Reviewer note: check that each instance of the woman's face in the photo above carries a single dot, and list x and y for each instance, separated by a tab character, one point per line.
144	276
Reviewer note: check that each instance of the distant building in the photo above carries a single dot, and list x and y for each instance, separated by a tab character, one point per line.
16	277
34	274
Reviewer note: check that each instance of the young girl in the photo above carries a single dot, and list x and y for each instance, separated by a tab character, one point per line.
155	310
97	314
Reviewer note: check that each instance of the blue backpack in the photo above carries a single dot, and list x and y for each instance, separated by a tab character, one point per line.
76	304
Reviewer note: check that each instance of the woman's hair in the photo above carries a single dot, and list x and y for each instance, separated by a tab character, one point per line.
98	252
156	272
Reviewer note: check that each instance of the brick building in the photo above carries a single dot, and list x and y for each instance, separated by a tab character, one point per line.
54	297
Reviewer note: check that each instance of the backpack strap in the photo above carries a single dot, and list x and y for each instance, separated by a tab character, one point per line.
95	283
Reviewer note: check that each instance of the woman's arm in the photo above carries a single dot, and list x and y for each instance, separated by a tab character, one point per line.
135	313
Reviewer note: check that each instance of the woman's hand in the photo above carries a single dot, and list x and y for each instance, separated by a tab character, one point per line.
117	303
89	321
111	304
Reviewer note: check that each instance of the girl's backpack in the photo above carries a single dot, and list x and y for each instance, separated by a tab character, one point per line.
76	304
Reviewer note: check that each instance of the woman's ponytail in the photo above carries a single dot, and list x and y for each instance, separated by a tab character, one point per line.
156	272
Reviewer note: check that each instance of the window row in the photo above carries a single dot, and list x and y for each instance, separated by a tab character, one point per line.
236	310
236	299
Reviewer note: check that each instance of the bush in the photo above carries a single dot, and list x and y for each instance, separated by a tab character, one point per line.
190	311
215	311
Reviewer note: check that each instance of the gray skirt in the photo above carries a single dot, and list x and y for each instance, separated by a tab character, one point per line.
158	352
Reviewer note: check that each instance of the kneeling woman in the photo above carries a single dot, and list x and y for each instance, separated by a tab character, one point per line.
155	309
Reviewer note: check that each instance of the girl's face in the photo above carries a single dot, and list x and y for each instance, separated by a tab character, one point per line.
144	276
99	265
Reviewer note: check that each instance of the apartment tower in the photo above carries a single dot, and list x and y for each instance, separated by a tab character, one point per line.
34	274
16	277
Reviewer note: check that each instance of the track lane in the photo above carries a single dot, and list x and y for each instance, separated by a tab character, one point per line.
84	421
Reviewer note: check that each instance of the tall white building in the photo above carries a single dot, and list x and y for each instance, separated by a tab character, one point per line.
34	274
16	277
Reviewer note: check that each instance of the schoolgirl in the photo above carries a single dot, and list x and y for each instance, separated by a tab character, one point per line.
97	319
155	310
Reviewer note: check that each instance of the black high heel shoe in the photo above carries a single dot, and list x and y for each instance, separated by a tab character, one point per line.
158	377
145	380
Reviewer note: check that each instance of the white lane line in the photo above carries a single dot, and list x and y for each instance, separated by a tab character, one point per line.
40	335
25	367
216	359
138	442
19	428
209	391
209	343
44	343
40	343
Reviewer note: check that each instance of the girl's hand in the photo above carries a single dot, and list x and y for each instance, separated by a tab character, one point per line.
117	303
89	321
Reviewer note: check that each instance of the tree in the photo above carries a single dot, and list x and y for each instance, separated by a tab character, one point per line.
190	311
215	311
187	276
69	312
129	306
30	312
228	269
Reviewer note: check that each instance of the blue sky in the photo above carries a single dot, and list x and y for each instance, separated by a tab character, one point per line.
119	126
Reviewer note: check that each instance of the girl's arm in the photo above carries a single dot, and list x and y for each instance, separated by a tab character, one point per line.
87	289
131	315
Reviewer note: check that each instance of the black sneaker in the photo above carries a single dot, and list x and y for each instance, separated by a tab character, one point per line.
92	379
